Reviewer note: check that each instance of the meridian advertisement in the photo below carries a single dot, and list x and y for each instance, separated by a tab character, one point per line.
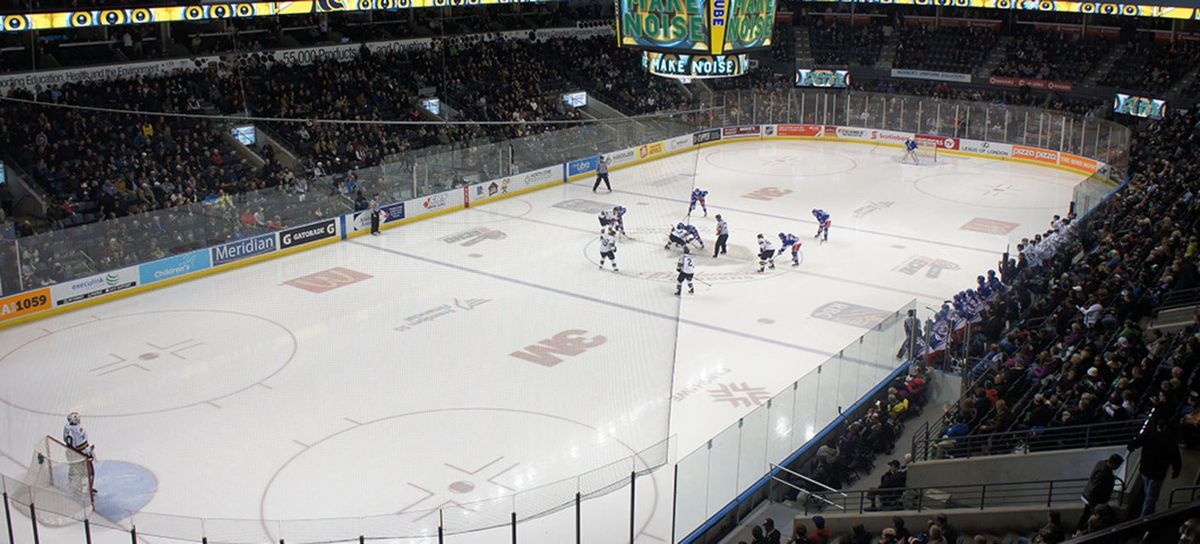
713	27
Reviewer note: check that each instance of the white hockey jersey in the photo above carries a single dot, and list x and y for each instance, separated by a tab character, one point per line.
608	243
76	438
682	234
686	264
765	244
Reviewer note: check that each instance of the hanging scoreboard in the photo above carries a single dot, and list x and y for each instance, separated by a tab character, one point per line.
701	27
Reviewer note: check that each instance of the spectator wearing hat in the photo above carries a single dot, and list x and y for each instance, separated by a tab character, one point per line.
891	487
820	533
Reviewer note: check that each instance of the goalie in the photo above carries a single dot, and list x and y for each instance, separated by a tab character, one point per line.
81	474
910	150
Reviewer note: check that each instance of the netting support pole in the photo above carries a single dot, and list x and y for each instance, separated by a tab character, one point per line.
578	523
514	527
674	498
361	539
8	519
632	504
441	530
33	521
87	530
133	534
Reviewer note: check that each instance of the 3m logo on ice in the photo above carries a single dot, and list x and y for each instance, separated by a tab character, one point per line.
569	343
767	193
327	280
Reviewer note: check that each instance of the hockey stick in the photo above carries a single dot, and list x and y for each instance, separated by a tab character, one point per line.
701	281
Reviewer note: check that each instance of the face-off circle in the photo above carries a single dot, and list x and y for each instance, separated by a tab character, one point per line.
466	464
145	363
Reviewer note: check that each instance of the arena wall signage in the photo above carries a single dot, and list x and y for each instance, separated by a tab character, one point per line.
1038	84
694	66
307	234
931	75
171	267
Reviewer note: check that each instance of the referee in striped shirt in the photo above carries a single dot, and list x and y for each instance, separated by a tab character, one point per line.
602	175
722	237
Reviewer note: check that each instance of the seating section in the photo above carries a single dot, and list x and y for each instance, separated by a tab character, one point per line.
1151	67
1052	56
837	43
944	49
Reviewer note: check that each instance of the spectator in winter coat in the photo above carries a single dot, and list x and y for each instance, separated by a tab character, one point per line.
1160	450
1099	487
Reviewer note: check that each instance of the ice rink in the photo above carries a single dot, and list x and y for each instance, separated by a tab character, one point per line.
390	377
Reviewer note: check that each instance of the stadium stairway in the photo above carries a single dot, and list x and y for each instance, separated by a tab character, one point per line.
804	56
1101	68
994	57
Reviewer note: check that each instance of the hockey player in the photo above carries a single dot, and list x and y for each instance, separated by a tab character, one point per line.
619	218
687	270
694	235
80	474
766	254
698	196
606	218
790	241
608	247
910	150
823	223
678	236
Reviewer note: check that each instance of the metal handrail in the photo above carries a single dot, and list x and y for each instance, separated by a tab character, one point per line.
973	496
805	478
1193	493
1035	440
808	493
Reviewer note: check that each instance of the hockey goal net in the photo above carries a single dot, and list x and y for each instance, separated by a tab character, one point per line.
59	483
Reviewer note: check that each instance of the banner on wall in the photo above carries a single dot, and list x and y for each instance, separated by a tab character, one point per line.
306	234
171	267
22	304
811	131
985	148
649	150
679	142
1035	154
940	142
622	156
93	286
1039	84
249	247
582	166
1078	163
931	75
706	136
745	131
